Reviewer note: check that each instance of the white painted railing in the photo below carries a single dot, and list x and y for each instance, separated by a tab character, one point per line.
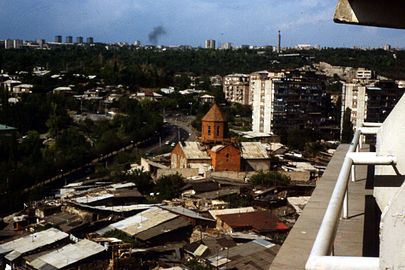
321	253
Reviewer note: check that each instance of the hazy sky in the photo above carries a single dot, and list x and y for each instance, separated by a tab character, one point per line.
190	22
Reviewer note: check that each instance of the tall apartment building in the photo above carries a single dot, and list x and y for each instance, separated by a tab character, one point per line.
371	103
236	88
261	89
354	98
79	40
90	40
209	44
69	39
8	44
58	39
226	46
283	101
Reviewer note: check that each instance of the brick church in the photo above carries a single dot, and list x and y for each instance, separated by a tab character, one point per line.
215	151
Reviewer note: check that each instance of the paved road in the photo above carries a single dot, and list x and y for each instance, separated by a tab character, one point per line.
184	122
178	128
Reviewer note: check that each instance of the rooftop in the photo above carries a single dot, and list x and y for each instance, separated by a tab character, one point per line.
214	115
193	150
20	246
254	150
258	221
67	255
140	222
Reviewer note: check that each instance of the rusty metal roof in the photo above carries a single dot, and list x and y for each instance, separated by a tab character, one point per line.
258	221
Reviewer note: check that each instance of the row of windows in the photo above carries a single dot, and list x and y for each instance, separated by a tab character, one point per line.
217	131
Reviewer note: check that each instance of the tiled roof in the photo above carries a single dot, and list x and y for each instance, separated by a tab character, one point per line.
214	115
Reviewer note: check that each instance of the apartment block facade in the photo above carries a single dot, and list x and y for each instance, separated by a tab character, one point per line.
286	100
236	88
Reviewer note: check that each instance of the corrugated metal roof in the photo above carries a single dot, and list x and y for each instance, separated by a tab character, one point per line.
120	208
193	150
254	150
140	222
67	255
200	250
215	213
163	228
251	255
90	198
31	242
185	212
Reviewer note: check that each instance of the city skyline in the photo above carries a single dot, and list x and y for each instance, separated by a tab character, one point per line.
189	22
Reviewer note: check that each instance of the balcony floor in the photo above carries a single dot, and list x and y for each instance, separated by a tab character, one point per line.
349	238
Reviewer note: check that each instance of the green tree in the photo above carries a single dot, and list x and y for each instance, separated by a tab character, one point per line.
169	186
142	180
269	179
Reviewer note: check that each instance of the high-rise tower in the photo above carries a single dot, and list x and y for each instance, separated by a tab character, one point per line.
279	42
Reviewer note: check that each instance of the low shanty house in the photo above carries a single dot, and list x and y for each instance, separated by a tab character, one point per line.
152	226
208	246
9	84
63	90
207	99
254	255
147	95
270	196
11	252
84	254
23	88
258	221
255	157
190	155
192	188
215	213
111	195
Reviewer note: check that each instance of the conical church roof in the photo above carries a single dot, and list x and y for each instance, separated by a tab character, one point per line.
214	115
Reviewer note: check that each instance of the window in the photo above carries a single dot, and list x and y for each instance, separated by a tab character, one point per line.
227	157
218	128
209	130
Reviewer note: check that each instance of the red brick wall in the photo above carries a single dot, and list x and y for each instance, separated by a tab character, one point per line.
212	131
226	159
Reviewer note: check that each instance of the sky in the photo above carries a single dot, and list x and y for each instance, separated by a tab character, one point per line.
190	22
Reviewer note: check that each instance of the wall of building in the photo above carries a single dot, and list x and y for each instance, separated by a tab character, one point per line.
237	176
226	159
261	88
257	164
354	97
213	131
178	159
236	88
185	172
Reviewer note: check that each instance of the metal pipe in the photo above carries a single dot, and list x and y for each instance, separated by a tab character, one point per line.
369	130
372	124
342	263
371	158
353	173
345	212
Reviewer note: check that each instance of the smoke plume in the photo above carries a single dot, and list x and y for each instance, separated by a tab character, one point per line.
156	33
